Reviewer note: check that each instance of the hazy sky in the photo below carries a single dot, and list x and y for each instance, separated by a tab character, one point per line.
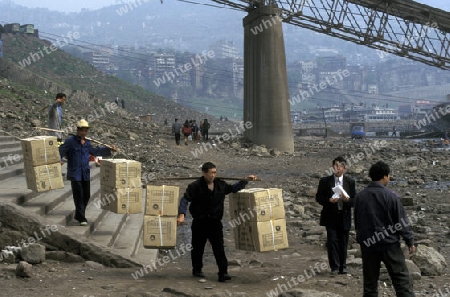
77	5
68	6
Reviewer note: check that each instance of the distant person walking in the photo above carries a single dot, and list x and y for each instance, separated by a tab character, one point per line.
186	129
394	132
205	129
117	101
123	103
55	115
176	130
380	221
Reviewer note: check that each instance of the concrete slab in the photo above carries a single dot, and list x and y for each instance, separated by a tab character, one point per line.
109	228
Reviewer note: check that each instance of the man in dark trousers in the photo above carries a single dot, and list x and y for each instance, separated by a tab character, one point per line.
176	130
336	214
55	115
205	129
206	196
380	220
77	150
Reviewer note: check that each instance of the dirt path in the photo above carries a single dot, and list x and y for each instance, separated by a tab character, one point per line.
303	265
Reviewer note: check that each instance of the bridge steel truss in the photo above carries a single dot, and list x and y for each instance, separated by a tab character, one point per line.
401	27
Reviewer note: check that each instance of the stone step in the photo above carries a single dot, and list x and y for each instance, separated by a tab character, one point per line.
11	171
10	155
14	188
64	211
120	233
8	142
44	202
130	243
108	229
6	138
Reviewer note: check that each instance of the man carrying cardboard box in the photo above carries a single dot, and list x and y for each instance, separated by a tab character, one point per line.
77	150
207	196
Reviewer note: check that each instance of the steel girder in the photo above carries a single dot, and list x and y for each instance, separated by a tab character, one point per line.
401	27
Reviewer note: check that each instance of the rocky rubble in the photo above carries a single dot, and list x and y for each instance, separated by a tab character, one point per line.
420	176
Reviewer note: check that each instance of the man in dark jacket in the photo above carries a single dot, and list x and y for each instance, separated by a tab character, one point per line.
176	130
336	214
205	129
380	220
77	150
207	196
55	115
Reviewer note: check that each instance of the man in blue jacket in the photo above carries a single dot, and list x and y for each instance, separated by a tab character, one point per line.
380	220
207	196
77	150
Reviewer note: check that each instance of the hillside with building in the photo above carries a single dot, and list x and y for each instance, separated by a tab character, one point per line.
207	73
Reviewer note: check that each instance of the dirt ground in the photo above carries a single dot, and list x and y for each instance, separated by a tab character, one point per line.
256	274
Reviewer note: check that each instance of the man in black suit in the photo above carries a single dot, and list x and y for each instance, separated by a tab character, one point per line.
336	214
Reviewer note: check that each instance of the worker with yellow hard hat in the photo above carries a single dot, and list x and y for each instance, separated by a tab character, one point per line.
77	150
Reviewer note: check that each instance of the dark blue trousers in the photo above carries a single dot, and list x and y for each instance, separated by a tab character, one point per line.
81	192
394	260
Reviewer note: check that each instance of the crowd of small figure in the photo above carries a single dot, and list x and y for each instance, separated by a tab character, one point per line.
190	130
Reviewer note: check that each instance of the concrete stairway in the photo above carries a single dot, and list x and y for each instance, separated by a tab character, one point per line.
121	233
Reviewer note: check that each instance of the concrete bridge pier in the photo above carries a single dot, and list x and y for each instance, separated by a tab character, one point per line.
266	94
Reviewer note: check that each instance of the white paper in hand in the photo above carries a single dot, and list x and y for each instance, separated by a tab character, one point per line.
338	190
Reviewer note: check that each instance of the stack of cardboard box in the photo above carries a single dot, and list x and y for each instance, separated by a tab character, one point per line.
258	219
42	163
121	190
160	219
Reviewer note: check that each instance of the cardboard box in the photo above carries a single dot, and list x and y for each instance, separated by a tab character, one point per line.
261	236
161	200
120	173
122	200
257	205
43	178
160	232
40	150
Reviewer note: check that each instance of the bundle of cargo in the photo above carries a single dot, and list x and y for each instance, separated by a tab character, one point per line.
160	218
42	163
120	182
258	219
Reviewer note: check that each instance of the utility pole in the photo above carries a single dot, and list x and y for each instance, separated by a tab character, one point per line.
325	121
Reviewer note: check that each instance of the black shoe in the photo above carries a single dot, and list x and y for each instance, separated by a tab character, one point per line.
334	272
224	277
198	274
344	271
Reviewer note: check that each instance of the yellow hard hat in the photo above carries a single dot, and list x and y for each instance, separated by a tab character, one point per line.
82	124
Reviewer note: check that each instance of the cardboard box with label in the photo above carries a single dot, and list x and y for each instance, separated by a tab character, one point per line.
257	205
160	232
40	150
120	173
261	236
44	177
121	200
161	200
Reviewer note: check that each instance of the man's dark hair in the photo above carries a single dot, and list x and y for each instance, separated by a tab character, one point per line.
340	160
60	95
379	170
207	166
